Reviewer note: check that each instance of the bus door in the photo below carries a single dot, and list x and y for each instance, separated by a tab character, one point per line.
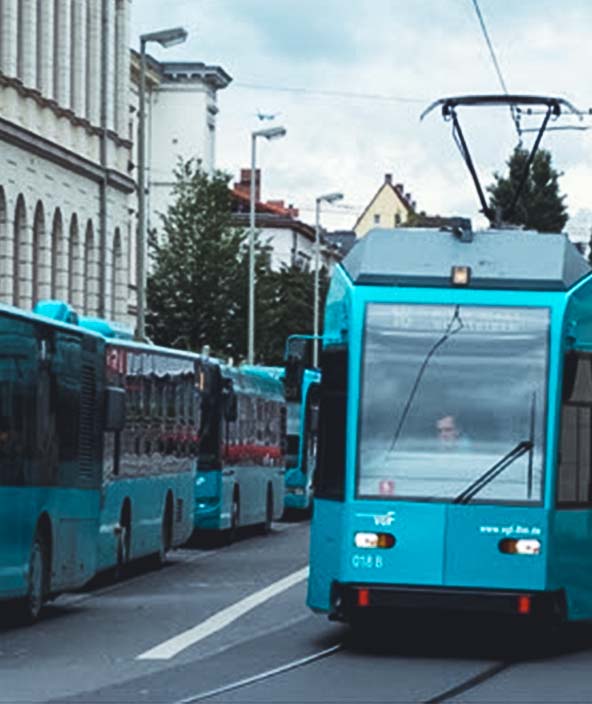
18	500
73	411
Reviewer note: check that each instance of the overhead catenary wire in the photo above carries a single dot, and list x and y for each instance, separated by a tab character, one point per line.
513	111
329	93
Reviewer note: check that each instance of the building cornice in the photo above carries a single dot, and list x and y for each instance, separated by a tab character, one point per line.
160	73
59	111
46	149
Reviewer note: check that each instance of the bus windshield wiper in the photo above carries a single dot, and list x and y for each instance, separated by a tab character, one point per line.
490	474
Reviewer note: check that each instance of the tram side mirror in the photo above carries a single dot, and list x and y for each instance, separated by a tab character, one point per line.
114	409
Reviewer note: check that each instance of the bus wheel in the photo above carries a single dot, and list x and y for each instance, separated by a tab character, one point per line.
37	587
266	525
232	533
123	547
166	534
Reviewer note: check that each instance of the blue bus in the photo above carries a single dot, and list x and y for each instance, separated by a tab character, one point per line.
97	451
240	473
301	388
455	429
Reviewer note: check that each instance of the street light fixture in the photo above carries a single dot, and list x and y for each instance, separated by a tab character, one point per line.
270	133
166	38
327	198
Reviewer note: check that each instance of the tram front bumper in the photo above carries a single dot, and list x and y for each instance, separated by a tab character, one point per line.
351	600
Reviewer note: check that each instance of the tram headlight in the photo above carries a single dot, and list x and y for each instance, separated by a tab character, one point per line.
374	540
520	546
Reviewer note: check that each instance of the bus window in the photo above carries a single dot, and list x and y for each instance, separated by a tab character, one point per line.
575	474
330	475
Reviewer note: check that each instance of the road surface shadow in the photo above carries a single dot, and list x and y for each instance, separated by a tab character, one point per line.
466	637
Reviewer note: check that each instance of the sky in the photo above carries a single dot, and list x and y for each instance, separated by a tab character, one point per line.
349	80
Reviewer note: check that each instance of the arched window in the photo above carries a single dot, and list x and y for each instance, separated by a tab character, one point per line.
6	252
91	272
21	290
58	265
75	268
41	265
118	278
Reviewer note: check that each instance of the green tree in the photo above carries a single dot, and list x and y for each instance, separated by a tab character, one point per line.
290	310
540	206
195	290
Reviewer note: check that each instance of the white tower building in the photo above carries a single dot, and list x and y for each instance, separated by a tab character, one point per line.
181	122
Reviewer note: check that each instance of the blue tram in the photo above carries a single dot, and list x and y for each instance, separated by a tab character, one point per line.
455	431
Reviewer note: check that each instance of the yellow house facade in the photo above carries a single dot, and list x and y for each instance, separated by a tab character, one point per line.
390	207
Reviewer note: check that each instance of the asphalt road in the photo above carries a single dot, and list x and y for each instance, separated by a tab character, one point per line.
247	636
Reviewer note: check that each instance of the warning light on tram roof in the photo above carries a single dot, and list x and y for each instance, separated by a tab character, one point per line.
461	275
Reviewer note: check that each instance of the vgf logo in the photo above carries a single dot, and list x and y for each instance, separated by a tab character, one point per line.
386	519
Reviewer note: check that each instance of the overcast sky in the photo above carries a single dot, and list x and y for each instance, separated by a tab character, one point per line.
349	79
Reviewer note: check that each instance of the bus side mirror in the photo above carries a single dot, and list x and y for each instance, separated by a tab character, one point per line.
114	409
314	420
229	405
293	378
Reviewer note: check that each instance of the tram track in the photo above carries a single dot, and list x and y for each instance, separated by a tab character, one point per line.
470	683
465	686
262	676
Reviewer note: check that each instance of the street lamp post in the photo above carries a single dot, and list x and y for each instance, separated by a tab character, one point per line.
166	38
328	198
271	133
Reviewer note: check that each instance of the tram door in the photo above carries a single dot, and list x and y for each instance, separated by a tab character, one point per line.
570	562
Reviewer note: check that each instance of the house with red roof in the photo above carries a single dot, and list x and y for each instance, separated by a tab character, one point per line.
292	241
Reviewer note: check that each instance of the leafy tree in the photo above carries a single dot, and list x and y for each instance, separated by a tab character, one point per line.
540	205
290	293
195	291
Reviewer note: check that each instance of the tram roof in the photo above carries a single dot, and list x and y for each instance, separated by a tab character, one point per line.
506	259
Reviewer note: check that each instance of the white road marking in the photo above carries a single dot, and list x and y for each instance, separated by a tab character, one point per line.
223	618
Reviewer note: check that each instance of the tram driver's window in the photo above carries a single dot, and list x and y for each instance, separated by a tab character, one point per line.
575	449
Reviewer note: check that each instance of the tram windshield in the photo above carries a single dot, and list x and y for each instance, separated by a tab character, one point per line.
448	391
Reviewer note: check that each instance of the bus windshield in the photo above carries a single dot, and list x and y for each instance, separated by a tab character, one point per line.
447	392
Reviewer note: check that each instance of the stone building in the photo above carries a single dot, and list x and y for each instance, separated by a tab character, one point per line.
65	141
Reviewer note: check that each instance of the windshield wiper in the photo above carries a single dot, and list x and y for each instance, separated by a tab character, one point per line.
489	475
448	333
